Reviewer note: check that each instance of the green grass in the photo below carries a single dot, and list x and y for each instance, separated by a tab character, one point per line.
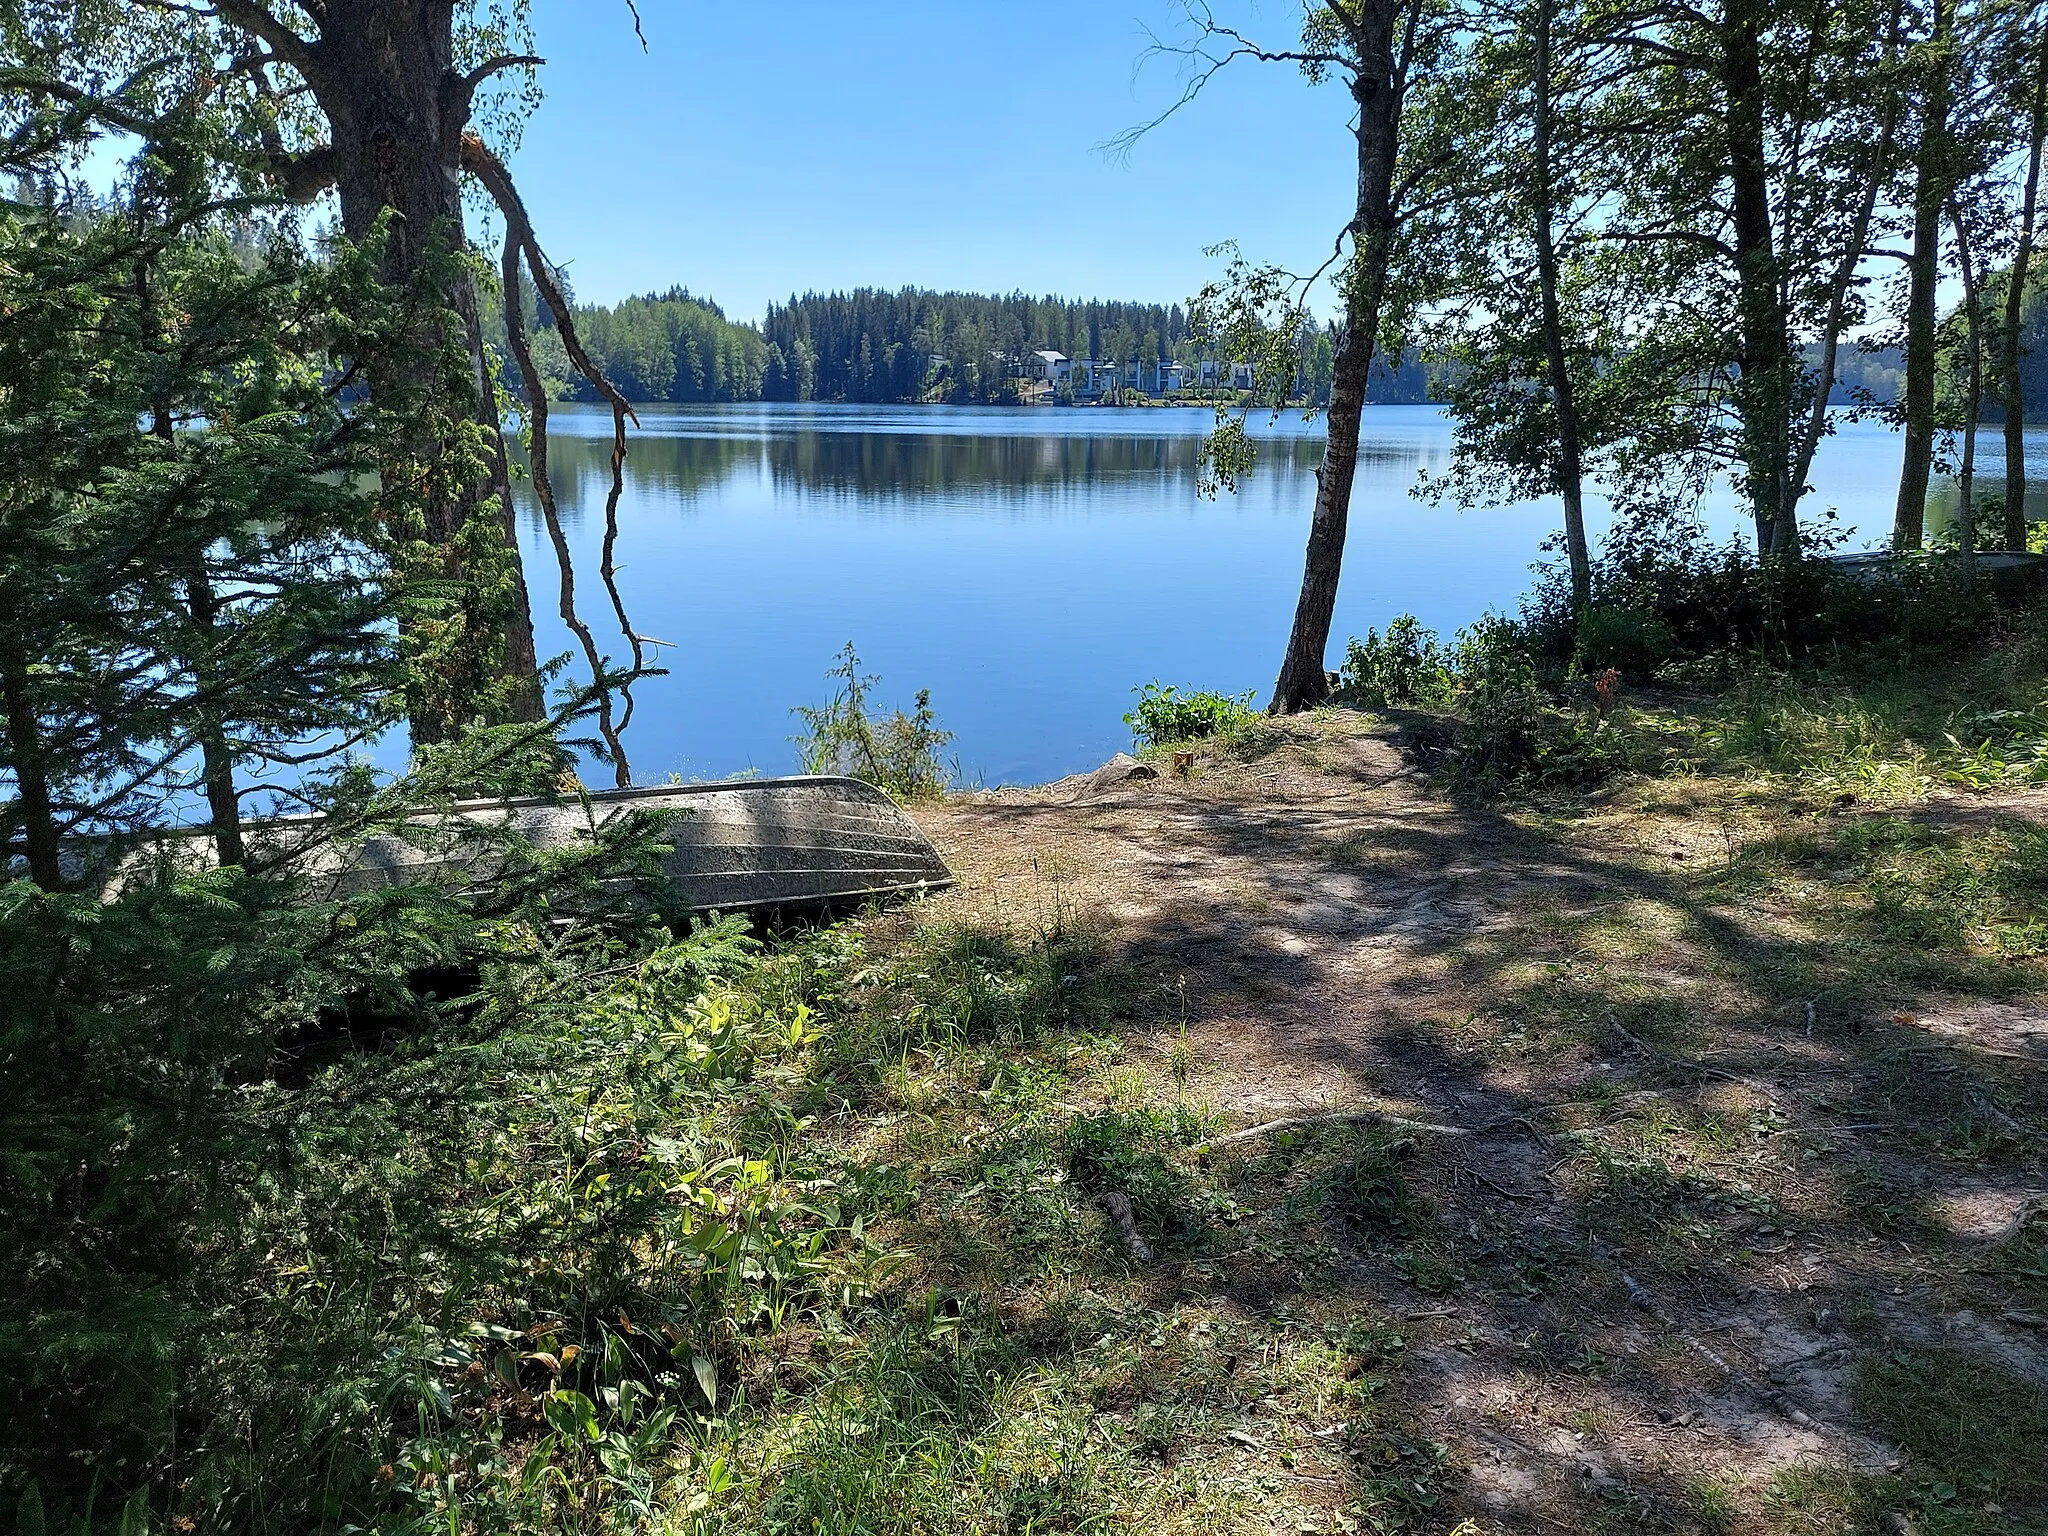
1971	1435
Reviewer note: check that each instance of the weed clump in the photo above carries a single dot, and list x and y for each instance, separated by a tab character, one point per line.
1165	716
1404	667
1127	1150
1370	1194
897	753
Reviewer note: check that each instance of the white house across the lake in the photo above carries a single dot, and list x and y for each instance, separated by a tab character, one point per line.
1094	377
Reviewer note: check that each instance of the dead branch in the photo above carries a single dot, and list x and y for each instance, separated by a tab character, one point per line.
1208	29
1118	1206
1342	1117
544	493
490	170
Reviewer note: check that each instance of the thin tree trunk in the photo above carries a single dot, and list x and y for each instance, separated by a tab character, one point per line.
1570	469
1845	275
2010	393
217	759
1966	481
25	755
1303	682
383	73
1763	395
1909	516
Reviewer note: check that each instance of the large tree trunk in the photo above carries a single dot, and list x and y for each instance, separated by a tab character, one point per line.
2009	393
1909	516
1303	682
1570	468
1763	393
384	77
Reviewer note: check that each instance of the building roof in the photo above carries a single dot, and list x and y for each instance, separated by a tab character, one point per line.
1051	357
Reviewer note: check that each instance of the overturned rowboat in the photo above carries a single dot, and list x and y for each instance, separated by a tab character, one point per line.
756	846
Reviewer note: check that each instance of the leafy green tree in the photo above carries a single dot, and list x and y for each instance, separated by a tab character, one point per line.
1377	50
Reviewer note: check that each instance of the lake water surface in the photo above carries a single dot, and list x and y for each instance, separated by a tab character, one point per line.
1030	567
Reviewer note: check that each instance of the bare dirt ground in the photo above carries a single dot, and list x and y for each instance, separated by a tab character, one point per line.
1705	1131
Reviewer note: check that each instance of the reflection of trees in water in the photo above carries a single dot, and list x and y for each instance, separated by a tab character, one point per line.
910	466
901	465
1944	501
662	466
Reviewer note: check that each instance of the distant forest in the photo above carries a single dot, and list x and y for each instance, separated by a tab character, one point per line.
912	345
878	346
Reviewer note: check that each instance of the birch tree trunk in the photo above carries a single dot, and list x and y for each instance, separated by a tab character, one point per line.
1376	89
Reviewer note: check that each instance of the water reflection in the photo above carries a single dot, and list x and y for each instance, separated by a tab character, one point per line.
905	468
1030	567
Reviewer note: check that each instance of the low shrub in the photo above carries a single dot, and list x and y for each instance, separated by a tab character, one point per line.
1165	716
897	753
1405	666
1632	641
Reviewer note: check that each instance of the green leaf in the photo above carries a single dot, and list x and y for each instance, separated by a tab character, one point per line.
28	1514
707	1377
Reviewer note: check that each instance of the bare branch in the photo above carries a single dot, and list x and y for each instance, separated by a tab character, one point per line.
1210	64
478	160
544	493
491	66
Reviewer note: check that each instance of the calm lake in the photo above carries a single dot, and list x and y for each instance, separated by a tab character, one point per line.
1030	567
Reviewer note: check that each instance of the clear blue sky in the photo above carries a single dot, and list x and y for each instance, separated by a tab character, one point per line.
757	150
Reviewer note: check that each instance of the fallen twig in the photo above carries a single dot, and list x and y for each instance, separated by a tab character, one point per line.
1341	1117
1512	1194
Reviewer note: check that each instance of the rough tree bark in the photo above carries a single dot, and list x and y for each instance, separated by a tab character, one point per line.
383	74
1763	393
1909	516
1570	468
2009	392
1376	88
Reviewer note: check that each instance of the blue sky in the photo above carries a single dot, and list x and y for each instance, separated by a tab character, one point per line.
757	150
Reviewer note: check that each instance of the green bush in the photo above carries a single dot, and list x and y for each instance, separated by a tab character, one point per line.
1165	715
1666	598
1404	666
1632	641
1502	705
